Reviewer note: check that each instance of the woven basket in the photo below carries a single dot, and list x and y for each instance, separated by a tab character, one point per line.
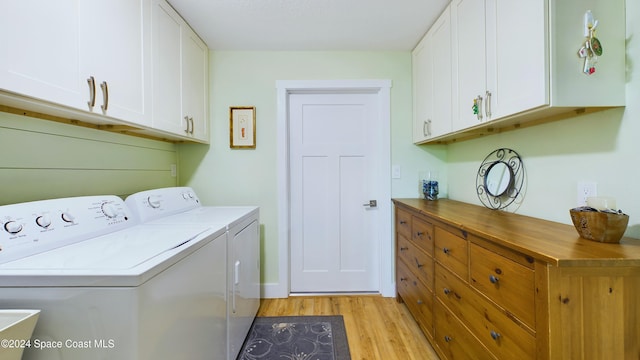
600	226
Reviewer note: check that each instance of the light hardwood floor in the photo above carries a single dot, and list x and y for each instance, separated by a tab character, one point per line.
378	328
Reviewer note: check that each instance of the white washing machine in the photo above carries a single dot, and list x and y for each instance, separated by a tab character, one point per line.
180	205
109	287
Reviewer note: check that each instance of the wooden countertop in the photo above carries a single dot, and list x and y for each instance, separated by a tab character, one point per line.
555	243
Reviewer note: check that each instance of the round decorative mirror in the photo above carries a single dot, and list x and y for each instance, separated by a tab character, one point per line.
500	178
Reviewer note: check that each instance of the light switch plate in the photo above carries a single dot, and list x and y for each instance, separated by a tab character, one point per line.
396	172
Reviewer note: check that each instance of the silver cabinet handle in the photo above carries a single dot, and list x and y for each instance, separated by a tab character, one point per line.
92	92
190	124
105	96
186	119
426	128
488	104
479	108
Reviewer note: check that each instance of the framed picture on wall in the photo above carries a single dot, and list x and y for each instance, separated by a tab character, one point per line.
242	127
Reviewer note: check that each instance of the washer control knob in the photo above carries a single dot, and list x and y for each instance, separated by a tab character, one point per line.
13	227
185	196
67	217
43	221
154	201
109	210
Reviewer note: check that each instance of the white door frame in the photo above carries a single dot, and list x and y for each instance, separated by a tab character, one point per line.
383	139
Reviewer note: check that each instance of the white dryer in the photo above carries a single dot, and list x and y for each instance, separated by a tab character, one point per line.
110	288
180	205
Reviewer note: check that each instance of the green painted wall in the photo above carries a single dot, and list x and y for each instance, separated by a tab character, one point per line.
242	177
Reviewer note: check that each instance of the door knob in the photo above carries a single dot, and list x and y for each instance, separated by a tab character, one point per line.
372	203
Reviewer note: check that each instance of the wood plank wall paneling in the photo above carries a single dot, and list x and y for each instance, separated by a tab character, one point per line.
43	160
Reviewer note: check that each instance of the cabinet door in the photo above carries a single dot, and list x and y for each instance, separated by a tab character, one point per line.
517	73
195	84
432	81
63	43
167	78
441	74
39	56
422	62
469	56
112	44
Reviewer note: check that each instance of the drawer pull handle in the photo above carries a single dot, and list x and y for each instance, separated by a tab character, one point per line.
418	264
446	250
419	302
420	233
404	248
447	339
402	222
447	291
495	335
403	279
493	279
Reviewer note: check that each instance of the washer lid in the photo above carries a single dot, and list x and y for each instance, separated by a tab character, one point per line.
138	253
227	215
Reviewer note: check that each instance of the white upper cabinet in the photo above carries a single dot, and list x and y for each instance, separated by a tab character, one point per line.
134	65
40	55
195	77
517	62
87	55
422	74
114	50
470	61
499	54
431	61
165	50
180	75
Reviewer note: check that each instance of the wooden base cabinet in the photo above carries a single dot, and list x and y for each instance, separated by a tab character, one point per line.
486	284
414	270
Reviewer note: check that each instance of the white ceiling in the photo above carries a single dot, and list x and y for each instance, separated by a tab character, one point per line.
310	24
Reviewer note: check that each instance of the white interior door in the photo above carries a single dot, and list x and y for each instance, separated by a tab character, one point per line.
333	175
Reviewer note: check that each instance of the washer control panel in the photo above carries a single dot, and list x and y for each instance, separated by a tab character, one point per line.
34	227
153	204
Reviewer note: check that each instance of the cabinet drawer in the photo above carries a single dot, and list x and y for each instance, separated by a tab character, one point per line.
500	334
422	234
454	340
451	251
403	223
416	260
416	296
506	282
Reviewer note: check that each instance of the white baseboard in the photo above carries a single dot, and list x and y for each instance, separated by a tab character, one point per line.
277	291
274	291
